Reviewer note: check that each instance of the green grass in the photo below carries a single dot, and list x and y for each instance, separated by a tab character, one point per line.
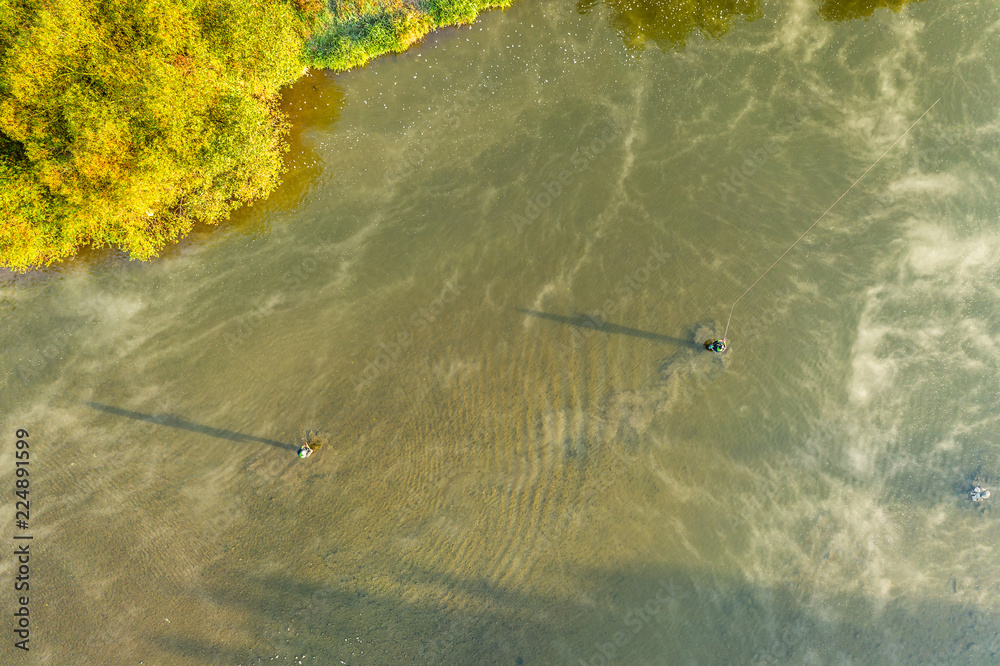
356	33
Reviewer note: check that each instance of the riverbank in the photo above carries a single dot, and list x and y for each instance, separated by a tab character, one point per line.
122	125
354	32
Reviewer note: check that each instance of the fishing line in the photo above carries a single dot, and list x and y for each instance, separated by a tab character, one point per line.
782	256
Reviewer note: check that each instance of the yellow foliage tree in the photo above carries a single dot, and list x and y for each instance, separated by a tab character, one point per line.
123	122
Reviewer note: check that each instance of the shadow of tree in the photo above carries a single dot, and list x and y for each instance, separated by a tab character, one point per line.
313	103
846	10
671	23
649	615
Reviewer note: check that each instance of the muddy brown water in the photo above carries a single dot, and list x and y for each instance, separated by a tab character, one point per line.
485	280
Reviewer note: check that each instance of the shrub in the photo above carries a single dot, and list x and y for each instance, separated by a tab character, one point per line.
454	12
123	122
360	30
309	7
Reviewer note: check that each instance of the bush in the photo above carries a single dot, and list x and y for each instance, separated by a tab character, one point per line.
454	12
310	7
123	122
360	30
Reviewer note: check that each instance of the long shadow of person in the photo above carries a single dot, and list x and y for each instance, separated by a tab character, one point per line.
174	421
597	324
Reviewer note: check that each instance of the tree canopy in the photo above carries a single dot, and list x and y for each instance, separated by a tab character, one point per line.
124	122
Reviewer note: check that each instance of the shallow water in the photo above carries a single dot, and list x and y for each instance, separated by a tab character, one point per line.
485	280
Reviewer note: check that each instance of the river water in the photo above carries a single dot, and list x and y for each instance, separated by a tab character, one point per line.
484	281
